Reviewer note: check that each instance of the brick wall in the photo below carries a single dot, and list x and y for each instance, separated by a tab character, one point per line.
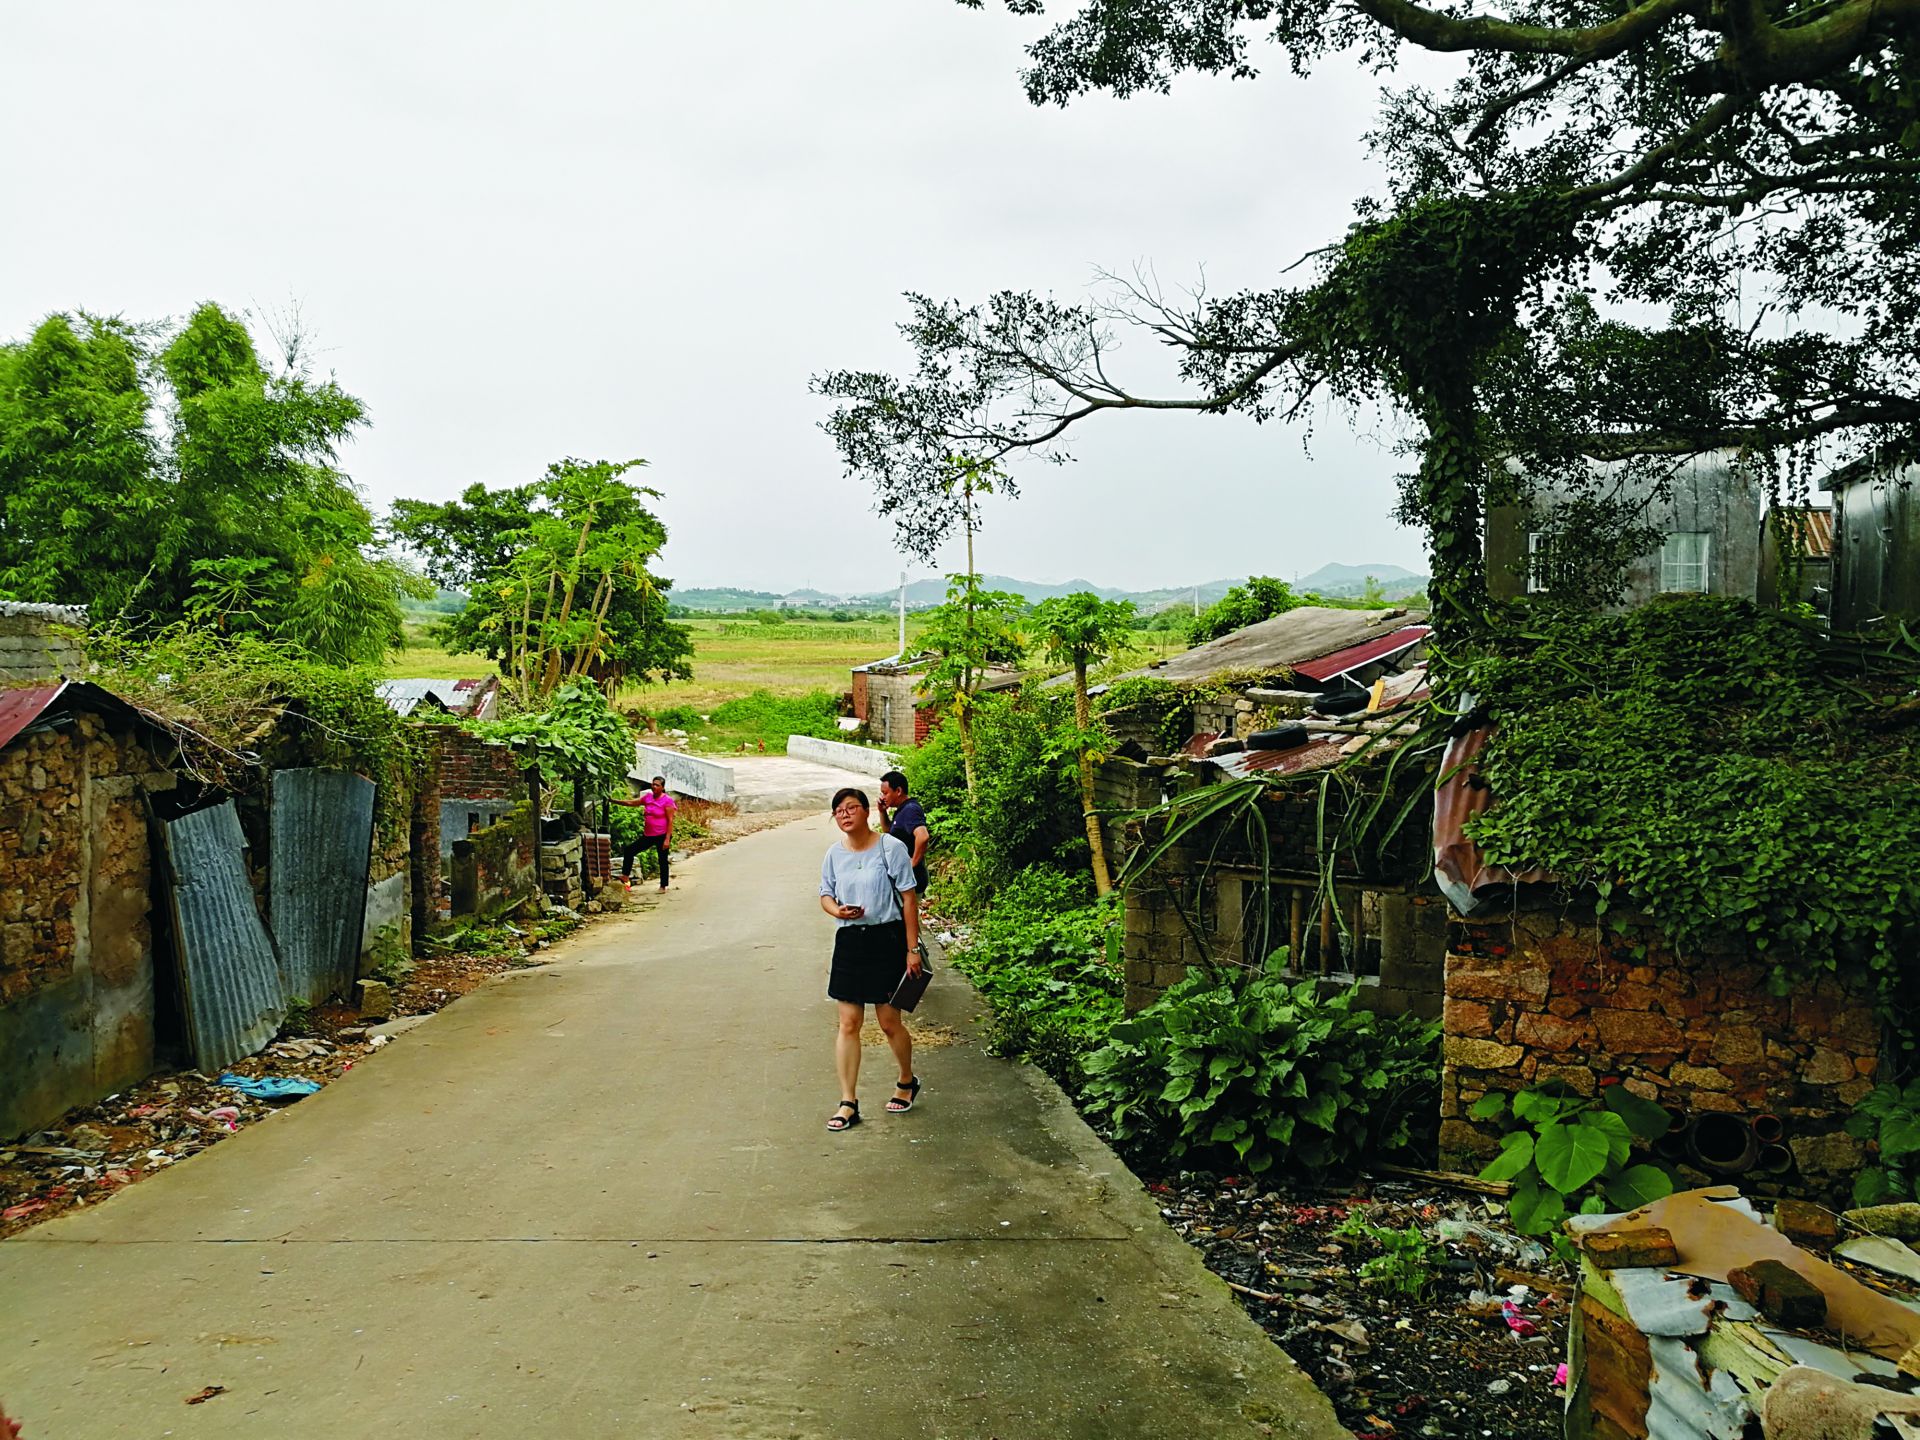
474	769
860	696
41	642
76	943
926	720
1544	994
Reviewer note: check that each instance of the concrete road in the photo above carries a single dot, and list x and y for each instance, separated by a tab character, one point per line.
599	1199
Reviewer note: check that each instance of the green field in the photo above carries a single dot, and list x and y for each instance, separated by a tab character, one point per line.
733	658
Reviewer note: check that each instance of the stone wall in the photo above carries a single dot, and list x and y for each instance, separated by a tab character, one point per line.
77	995
1544	993
41	642
496	868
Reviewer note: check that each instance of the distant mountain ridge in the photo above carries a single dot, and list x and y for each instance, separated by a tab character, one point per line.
1333	579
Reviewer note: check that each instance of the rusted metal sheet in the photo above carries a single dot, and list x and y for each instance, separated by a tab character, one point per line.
19	708
1462	872
229	980
28	705
317	893
1371	652
1314	755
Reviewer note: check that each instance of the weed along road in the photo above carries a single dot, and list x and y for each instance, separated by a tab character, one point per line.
599	1198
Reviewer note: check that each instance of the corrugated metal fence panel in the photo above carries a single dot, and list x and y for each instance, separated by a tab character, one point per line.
317	892
228	975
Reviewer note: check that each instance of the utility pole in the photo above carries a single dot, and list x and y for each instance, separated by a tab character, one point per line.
903	614
1196	602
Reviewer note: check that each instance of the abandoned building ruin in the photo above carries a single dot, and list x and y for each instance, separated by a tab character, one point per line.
148	916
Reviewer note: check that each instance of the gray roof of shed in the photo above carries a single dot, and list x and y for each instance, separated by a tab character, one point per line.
1285	640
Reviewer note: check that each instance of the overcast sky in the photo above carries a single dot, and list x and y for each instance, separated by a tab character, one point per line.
636	227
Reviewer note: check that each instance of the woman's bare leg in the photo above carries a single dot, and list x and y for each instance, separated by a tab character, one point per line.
900	1041
846	1048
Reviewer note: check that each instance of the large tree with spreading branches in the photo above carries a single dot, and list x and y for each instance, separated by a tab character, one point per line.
1628	233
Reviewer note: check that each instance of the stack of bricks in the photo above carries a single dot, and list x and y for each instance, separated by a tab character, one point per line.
41	642
1537	996
560	872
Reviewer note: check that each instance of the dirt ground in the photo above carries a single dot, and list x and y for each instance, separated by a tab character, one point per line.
1473	1355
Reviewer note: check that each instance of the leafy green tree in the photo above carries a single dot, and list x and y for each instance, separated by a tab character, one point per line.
972	631
557	579
1082	630
1261	598
235	516
1576	243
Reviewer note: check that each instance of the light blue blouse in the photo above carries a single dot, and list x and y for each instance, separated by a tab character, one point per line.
872	877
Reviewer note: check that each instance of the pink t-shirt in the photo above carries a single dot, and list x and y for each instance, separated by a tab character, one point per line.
658	811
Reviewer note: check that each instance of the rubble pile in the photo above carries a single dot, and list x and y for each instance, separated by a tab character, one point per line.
1473	1353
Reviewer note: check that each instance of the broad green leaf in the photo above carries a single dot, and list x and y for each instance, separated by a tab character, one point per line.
1644	1118
1515	1156
1871	1186
1489	1105
1532	1106
1638	1185
1319	1110
1899	1135
1570	1157
1619	1138
1535	1210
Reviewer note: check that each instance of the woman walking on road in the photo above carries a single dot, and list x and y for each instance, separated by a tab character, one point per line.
867	886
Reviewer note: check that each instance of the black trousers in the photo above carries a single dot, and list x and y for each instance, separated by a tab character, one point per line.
648	842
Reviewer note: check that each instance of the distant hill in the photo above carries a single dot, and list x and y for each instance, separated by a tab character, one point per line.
724	599
1335	580
1328	576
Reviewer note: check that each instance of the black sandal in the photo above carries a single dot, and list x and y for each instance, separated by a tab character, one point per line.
837	1122
896	1105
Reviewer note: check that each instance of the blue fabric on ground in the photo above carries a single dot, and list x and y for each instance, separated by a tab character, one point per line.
270	1087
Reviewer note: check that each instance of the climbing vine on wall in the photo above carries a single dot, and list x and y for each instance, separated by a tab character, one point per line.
1732	772
252	705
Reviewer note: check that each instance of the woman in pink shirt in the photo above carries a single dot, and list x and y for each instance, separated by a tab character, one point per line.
656	828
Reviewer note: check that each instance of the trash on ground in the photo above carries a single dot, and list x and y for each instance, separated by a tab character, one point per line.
269	1087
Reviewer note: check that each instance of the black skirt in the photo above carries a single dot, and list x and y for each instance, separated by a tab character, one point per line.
868	962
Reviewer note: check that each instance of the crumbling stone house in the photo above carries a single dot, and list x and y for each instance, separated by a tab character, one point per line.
78	991
1289	696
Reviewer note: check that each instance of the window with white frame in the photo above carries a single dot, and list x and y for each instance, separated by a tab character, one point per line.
1539	559
1683	561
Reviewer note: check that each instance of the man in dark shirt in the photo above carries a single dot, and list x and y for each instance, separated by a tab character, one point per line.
907	823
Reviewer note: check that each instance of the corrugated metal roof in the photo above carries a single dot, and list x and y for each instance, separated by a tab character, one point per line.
26	705
1274	645
1330	667
228	974
1460	869
1816	526
20	708
57	614
1314	755
405	696
317	896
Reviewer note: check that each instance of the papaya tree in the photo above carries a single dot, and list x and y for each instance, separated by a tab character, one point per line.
1082	631
972	632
